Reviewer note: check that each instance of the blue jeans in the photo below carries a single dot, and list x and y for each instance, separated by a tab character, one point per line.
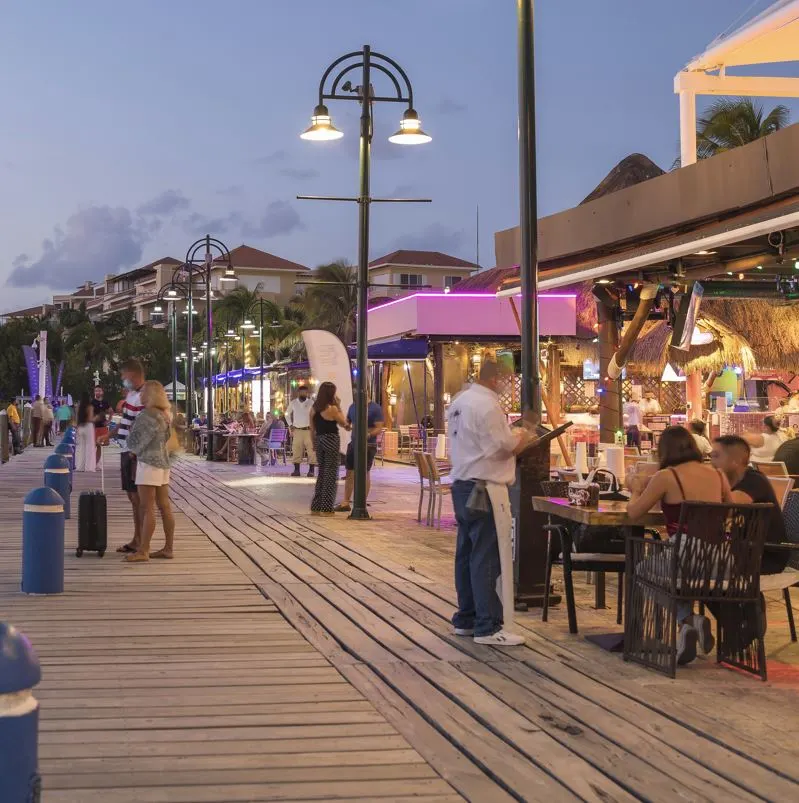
476	566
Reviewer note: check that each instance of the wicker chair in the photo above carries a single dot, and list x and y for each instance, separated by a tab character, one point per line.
714	558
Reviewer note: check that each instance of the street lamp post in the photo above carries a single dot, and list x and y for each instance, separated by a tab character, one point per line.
409	133
199	262
171	292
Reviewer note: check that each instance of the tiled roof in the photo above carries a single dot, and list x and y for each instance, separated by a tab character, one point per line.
433	259
245	256
488	281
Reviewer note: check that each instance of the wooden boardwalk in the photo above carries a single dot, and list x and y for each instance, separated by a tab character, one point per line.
181	681
556	720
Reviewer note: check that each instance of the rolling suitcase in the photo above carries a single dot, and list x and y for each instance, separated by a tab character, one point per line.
92	519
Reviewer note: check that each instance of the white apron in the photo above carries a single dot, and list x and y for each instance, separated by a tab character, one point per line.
503	521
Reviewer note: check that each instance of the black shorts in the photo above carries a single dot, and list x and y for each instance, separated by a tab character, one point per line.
128	465
371	451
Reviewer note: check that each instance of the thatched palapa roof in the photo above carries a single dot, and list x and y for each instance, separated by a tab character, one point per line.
630	171
651	351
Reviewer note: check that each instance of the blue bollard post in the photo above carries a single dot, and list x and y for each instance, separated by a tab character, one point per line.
67	451
57	476
43	542
19	718
69	437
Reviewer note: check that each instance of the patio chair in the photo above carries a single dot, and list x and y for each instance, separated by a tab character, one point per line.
782	487
771	468
276	445
424	477
788	579
440	487
380	454
714	558
572	561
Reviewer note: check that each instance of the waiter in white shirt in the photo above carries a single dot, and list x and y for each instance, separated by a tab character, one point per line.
483	449
633	419
650	405
299	418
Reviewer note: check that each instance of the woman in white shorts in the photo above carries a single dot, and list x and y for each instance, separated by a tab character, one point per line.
149	441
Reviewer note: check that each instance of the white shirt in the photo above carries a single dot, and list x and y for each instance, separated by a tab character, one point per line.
703	443
633	415
771	442
299	414
650	407
481	443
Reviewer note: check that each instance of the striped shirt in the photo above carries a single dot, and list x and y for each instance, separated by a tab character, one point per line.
131	407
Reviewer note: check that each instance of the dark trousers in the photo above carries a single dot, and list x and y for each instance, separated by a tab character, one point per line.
476	566
327	456
633	436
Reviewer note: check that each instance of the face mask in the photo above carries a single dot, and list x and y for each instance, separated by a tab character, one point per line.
127	384
303	397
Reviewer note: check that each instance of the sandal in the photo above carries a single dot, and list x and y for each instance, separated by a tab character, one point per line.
126	548
137	557
162	553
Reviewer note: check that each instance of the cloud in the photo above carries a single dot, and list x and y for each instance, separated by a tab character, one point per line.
272	158
167	203
233	191
449	106
94	241
280	218
435	237
300	173
197	224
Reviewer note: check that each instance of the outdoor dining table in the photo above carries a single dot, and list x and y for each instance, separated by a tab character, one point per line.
246	447
607	513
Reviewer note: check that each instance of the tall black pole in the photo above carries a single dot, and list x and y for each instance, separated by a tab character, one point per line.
261	357
173	322
190	353
209	372
528	211
359	510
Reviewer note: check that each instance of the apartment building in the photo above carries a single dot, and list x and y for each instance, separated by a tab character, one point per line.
402	273
138	289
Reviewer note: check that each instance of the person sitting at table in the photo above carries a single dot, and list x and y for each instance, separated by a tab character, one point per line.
698	429
247	421
224	436
682	477
764	444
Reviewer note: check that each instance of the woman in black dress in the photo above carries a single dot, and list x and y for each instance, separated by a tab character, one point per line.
326	418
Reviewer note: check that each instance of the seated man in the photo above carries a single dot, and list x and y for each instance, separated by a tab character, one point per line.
731	456
374	425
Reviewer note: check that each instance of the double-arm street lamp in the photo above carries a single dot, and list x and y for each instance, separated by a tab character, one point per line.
199	265
261	306
333	86
171	293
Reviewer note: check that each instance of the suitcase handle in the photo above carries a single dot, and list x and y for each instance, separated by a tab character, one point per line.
102	469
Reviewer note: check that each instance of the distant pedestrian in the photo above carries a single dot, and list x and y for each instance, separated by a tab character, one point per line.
374	425
14	428
299	419
37	412
48	420
85	457
149	440
325	420
101	412
63	415
130	407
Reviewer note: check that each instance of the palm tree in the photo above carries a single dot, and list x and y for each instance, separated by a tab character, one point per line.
333	306
93	341
731	122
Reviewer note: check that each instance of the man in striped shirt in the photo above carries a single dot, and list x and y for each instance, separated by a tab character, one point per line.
133	380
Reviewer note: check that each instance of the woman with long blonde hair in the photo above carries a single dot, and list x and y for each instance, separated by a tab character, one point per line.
149	440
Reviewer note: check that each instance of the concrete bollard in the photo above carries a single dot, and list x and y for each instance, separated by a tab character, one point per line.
58	477
68	451
19	718
43	542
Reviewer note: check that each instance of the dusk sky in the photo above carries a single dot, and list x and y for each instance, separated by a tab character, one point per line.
129	129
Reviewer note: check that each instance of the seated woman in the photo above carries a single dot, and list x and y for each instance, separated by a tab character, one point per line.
764	444
682	477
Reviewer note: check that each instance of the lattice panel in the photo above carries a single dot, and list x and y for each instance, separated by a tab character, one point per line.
511	397
577	392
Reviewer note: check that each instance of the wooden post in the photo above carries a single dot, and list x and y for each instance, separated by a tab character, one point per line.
385	380
553	381
694	394
610	413
438	387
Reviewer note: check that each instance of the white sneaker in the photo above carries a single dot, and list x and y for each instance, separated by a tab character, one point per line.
687	639
502	638
464	631
704	631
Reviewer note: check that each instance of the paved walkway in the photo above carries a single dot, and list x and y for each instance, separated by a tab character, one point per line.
556	720
181	681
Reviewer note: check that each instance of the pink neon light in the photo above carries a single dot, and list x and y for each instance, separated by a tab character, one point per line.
464	295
